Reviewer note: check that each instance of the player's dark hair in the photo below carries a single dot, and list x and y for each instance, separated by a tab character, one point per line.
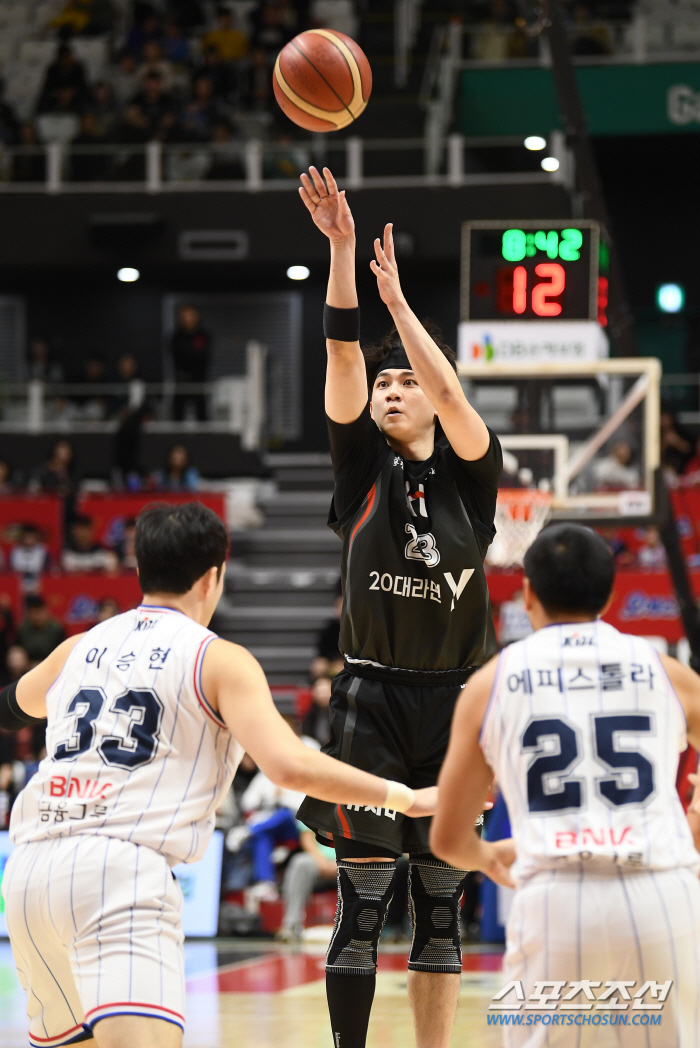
571	570
176	545
375	354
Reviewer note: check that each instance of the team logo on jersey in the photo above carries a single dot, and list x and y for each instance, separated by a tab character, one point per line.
415	500
422	547
458	587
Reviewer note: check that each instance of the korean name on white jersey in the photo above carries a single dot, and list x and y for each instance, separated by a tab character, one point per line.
583	731
134	751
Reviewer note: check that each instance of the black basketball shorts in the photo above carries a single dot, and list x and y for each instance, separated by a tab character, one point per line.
397	731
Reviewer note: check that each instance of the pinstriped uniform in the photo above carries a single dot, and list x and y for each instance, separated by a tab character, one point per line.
583	731
137	764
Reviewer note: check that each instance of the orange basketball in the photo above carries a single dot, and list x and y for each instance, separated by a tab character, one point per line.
322	80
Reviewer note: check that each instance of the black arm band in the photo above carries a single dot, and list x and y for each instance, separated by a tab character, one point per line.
342	325
12	718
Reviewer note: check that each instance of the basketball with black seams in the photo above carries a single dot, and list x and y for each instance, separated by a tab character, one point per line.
322	80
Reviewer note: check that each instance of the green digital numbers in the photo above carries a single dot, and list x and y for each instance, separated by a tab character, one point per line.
571	241
513	245
566	245
603	256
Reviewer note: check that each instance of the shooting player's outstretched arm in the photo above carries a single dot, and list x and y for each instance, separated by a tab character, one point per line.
346	382
463	785
463	426
235	685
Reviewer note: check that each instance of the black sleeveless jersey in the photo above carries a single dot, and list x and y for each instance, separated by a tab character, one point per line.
415	593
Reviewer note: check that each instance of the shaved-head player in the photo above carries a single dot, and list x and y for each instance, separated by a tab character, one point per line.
416	473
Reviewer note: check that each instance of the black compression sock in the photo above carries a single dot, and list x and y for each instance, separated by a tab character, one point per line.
349	1003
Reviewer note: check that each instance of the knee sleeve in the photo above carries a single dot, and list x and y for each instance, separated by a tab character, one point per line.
364	894
435	893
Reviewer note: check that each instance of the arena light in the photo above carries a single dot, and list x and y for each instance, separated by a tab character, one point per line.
549	163
127	275
535	142
670	298
298	272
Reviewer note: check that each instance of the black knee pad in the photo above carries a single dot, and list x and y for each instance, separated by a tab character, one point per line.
364	894
435	891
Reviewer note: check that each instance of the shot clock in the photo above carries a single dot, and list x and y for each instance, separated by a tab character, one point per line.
534	270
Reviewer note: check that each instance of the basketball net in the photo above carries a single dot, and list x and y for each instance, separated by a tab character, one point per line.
520	516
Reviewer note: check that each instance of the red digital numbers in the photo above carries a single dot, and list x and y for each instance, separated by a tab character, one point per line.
602	301
512	290
542	292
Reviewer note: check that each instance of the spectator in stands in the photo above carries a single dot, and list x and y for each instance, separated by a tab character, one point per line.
317	723
273	26
310	869
65	84
9	124
92	405
76	17
153	62
39	632
178	474
230	43
191	350
652	554
107	609
40	364
56	476
223	75
329	638
176	48
258	90
142	31
29	166
16	664
492	41
102	105
675	447
616	471
156	106
126	547
617	546
201	114
124	79
287	160
29	557
83	553
127	371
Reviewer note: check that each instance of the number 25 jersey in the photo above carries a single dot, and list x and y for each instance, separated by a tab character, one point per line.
583	731
134	751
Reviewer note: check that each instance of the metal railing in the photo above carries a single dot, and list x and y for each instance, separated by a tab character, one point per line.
231	404
253	166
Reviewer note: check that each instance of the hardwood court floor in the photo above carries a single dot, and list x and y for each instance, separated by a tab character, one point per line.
256	995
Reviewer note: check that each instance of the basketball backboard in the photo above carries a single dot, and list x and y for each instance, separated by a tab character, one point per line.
588	432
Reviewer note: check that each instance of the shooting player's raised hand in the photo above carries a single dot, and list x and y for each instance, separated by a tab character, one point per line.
385	269
327	206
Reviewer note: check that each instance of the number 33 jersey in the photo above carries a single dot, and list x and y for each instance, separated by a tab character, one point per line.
133	750
583	731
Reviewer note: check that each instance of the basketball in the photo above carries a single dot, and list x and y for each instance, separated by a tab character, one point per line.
322	80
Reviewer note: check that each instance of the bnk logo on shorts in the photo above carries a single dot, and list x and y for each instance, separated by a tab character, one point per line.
579	1005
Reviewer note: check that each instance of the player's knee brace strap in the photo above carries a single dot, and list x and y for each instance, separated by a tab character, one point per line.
436	891
364	893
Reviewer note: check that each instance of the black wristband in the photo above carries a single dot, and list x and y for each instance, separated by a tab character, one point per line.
341	325
12	718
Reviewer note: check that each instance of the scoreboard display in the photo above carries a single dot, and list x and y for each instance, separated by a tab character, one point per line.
531	270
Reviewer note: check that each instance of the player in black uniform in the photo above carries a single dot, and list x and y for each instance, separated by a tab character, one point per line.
416	516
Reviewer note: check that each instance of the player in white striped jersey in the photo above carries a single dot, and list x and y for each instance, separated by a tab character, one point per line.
582	727
148	715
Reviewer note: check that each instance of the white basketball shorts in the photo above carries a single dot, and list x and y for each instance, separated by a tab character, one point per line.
95	928
634	925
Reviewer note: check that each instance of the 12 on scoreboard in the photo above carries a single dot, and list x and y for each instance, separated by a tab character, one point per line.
534	270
